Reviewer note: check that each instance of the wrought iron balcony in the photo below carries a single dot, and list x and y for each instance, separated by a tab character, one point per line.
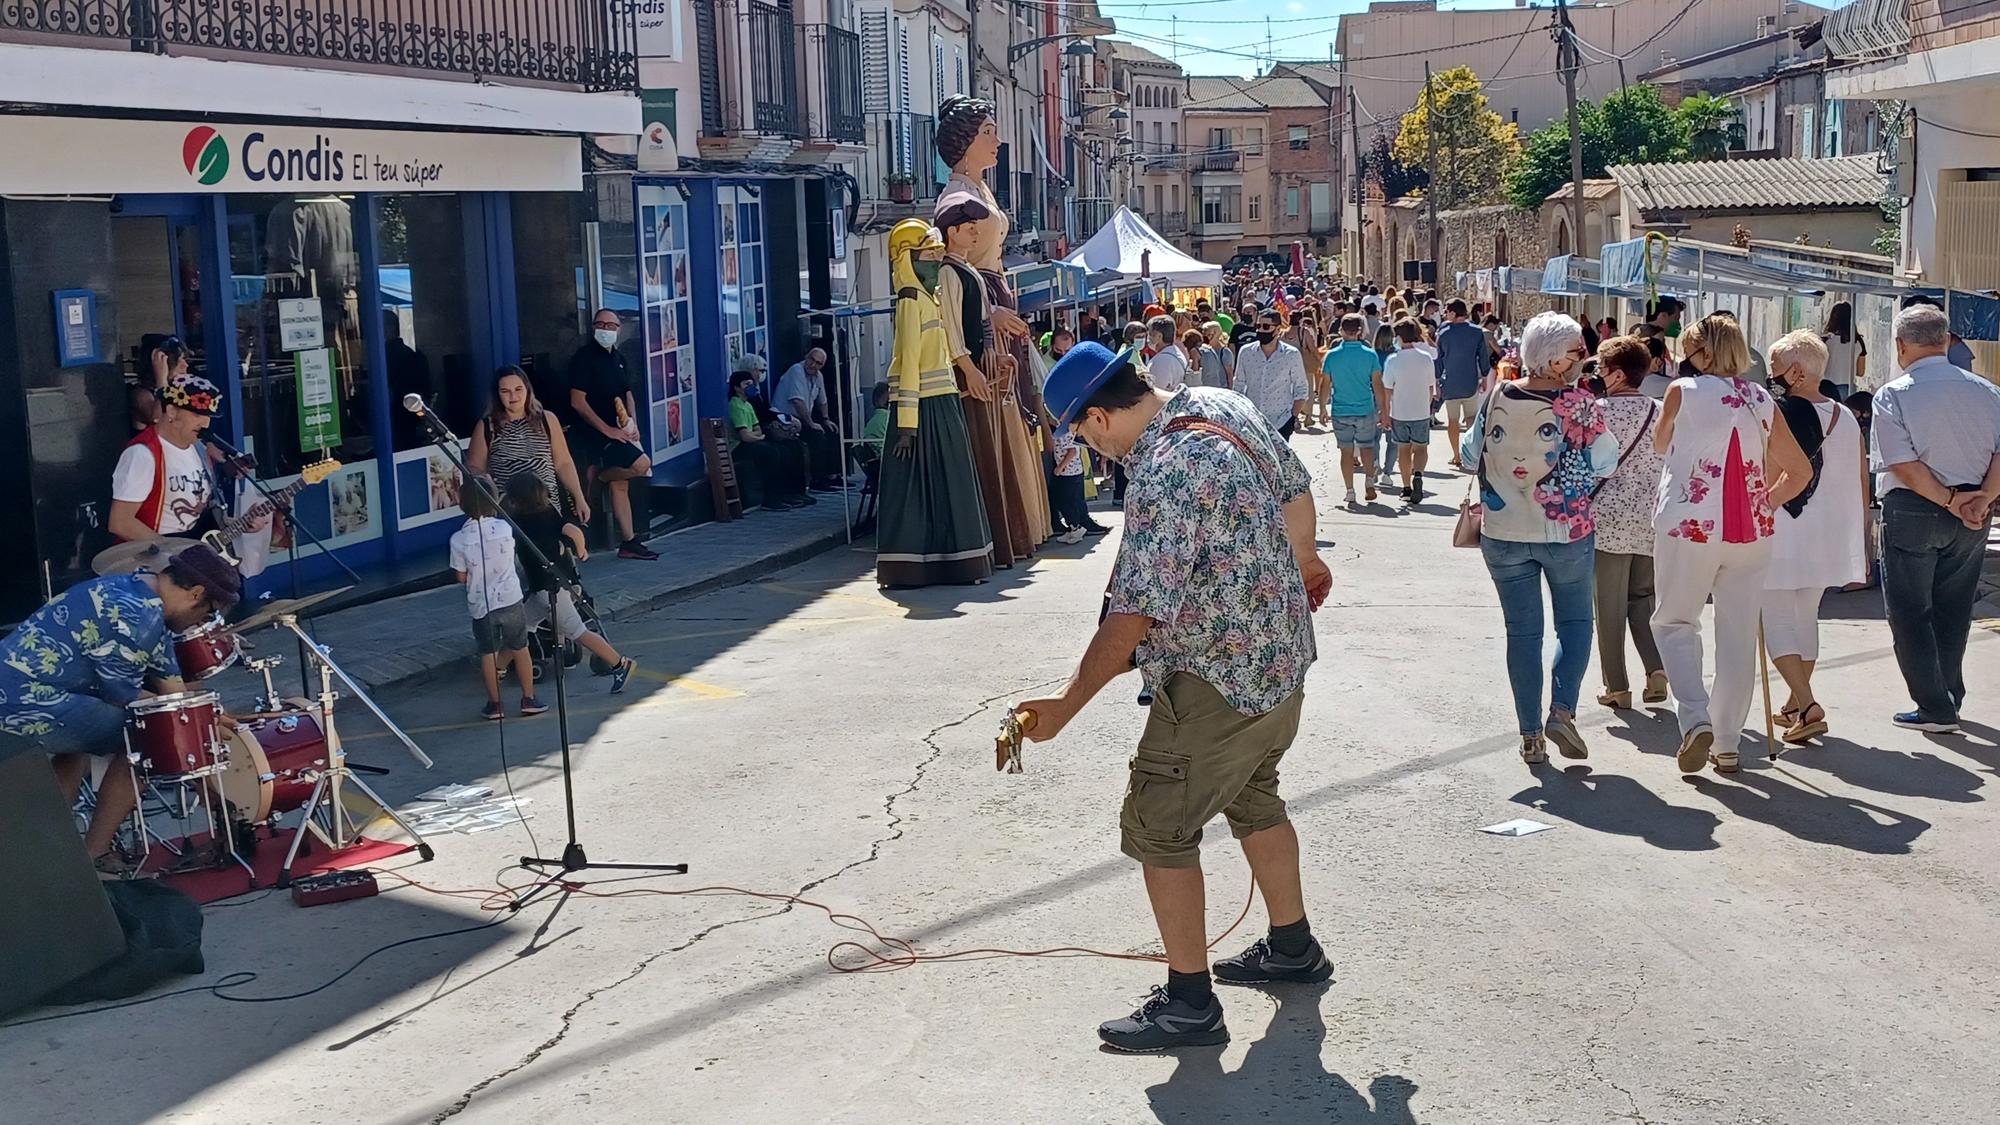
772	44
1217	160
1172	222
582	43
900	164
1092	214
832	82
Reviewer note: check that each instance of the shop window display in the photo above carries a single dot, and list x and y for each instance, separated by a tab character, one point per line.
745	294
668	326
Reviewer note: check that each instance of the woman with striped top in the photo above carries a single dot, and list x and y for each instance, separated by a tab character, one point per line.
518	436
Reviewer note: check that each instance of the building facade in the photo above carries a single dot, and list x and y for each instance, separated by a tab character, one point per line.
1263	166
1151	91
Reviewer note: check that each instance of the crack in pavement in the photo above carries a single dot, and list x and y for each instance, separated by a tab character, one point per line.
1591	1045
895	833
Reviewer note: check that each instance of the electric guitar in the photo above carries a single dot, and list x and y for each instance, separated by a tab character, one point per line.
233	529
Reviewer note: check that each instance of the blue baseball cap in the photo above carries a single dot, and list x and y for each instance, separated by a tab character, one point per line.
1078	374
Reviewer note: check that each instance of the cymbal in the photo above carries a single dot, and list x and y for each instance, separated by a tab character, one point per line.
271	611
129	558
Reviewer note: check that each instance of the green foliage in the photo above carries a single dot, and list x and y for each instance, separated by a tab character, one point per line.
1713	126
1631	126
1475	146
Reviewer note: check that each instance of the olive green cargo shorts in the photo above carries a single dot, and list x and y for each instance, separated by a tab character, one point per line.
1199	756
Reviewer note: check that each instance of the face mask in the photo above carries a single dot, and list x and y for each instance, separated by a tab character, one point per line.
1673	329
927	272
1266	335
607	338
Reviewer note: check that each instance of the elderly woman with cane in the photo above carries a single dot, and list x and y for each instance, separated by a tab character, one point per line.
1730	463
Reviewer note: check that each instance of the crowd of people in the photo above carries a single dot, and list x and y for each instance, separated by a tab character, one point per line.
1636	473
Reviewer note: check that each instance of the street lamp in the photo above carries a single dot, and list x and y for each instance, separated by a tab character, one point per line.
1079	48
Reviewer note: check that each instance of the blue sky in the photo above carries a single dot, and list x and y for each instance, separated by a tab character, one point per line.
1228	36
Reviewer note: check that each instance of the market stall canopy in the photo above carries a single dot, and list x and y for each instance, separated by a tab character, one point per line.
1132	249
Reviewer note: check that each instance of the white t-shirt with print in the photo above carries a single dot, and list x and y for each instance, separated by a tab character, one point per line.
1167	370
483	551
1411	376
186	483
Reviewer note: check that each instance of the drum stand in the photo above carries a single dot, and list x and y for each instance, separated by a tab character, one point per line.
339	831
171	790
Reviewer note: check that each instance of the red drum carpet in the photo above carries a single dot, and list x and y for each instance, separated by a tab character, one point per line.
213	884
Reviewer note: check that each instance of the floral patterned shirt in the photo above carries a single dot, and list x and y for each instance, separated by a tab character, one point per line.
100	638
1624	505
1713	488
1204	554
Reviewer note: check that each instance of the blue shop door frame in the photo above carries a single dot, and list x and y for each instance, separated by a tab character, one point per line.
711	349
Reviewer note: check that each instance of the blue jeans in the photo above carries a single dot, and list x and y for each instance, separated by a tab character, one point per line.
1930	578
1518	570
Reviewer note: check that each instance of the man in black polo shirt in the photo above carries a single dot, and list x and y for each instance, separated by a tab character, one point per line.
606	432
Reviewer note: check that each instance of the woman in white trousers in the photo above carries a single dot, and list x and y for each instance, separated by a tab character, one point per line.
1730	461
1820	540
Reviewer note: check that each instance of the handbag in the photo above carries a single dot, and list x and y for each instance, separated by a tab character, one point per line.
1472	513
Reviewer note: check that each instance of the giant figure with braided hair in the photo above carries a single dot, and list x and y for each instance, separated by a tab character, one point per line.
933	526
969	142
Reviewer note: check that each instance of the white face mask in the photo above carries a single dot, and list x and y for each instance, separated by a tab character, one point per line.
607	338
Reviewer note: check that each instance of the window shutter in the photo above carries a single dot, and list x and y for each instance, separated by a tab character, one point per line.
937	71
958	62
875	62
1003	181
902	64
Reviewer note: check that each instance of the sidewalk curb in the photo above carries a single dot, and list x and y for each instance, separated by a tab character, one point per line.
423	671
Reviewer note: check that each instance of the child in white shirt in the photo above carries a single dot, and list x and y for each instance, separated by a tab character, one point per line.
1409	382
482	558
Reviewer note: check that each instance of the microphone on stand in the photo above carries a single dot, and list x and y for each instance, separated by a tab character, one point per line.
414	403
232	456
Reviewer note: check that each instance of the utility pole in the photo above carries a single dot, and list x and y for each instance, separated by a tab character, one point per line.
1430	161
1361	217
1567	62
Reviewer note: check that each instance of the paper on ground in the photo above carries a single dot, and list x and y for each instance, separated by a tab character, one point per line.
1520	827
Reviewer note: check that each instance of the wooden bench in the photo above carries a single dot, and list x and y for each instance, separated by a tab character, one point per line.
723	484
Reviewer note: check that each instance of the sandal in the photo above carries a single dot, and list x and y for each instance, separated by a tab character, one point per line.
1725	761
1534	750
1803	728
1695	745
1656	688
1616	700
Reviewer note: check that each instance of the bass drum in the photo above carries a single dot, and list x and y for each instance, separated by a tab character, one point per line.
273	762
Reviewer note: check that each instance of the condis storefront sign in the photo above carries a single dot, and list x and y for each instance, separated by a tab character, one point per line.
64	156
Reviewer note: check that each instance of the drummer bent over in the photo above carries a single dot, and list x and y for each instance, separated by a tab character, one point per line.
1213	591
68	671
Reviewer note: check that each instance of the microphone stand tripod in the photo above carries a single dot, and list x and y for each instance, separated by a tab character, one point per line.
573	857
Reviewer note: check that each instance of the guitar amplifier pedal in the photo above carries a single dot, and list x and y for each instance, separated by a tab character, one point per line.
333	886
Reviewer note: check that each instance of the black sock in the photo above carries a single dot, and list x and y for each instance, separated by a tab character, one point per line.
1292	940
1194	988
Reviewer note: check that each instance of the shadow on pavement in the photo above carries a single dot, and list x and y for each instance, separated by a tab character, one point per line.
1283	1078
1810	814
292	951
1888	771
1619	806
947	601
1651	731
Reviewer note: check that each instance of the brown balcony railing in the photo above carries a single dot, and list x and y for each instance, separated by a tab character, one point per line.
900	164
583	43
1218	160
832	82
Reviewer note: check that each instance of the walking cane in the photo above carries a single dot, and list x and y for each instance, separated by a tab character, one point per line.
1764	671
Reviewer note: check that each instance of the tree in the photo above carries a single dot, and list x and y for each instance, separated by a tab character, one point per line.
1640	129
1544	164
1395	178
1713	126
1475	146
1631	126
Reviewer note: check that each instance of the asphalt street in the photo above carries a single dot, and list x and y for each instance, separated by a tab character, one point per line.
1810	942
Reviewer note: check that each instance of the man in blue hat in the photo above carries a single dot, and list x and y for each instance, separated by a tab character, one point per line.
1212	595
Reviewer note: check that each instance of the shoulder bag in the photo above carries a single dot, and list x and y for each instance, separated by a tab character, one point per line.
1471	513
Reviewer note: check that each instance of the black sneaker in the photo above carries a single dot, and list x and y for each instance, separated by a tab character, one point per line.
1163	1023
1094	528
633	549
1260	964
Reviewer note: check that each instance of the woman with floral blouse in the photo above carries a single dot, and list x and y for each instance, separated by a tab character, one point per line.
1624	512
1538	448
1730	461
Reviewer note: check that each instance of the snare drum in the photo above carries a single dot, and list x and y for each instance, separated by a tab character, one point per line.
274	760
174	734
206	649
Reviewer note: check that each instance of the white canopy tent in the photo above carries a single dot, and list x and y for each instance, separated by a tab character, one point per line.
1127	246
